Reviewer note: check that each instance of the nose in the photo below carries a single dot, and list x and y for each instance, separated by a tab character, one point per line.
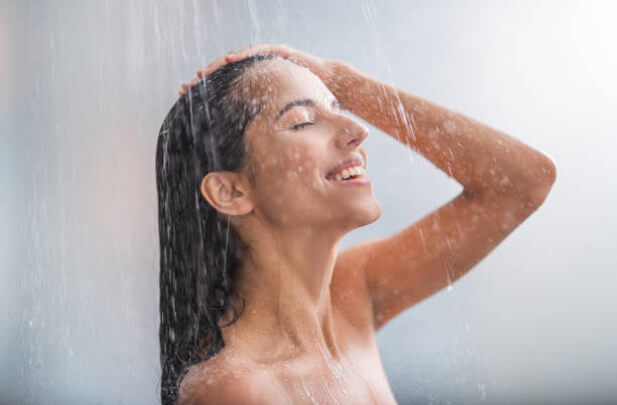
351	134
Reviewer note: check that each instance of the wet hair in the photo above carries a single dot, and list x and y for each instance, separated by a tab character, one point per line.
199	250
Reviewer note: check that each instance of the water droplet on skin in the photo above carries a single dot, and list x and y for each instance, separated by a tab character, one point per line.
449	126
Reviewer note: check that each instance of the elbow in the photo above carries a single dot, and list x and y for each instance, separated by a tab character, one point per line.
528	185
542	183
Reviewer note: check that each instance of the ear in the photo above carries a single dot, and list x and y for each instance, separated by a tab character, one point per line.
226	193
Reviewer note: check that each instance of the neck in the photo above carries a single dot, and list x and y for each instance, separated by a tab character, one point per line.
285	281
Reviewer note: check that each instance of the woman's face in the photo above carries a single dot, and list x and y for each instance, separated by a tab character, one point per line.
295	142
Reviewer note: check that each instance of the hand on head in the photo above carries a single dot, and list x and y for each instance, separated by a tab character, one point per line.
321	67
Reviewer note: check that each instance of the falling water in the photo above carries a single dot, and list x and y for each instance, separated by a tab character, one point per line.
87	85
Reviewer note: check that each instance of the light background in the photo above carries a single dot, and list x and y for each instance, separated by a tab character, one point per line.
85	86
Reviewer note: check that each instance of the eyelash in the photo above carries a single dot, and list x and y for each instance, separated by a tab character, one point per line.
302	125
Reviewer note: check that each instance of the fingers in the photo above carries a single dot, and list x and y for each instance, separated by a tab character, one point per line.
244	53
223	60
233	56
252	50
187	85
212	67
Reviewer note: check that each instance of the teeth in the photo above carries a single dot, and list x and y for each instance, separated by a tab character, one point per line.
348	172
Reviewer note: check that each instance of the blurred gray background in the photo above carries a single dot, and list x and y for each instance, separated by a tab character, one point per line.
85	86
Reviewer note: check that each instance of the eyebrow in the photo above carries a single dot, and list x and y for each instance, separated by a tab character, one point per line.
305	101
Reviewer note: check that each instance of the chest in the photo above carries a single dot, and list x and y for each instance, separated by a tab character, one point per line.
357	377
350	380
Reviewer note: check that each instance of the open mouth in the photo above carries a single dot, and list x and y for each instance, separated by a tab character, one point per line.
350	175
347	177
349	172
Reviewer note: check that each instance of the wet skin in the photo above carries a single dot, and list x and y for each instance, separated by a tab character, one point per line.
282	377
306	333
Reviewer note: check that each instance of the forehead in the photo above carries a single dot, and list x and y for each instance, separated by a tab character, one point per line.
276	82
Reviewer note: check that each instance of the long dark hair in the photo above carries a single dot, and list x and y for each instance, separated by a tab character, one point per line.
199	250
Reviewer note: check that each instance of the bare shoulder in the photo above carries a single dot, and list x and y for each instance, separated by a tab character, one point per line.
217	381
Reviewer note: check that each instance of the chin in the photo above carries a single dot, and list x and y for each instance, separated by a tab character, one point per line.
369	214
376	212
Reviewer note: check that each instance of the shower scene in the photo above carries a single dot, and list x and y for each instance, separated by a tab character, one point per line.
404	202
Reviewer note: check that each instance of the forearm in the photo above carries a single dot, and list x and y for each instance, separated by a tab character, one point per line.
480	158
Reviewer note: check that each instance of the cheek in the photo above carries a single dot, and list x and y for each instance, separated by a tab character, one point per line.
302	166
298	164
288	170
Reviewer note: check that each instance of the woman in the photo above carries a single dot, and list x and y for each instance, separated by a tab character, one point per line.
260	176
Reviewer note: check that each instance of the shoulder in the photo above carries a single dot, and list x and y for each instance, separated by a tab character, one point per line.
218	383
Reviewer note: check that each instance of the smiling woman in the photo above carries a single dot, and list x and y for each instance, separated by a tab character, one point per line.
260	176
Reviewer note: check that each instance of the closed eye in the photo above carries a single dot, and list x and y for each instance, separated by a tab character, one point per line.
302	125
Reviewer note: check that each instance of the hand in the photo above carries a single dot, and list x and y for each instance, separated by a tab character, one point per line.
322	68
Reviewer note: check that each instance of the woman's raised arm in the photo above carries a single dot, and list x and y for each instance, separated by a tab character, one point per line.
482	159
504	181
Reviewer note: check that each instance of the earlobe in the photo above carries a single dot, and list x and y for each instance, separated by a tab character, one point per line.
223	191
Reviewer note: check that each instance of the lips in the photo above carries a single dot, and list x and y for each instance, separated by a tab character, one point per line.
344	165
